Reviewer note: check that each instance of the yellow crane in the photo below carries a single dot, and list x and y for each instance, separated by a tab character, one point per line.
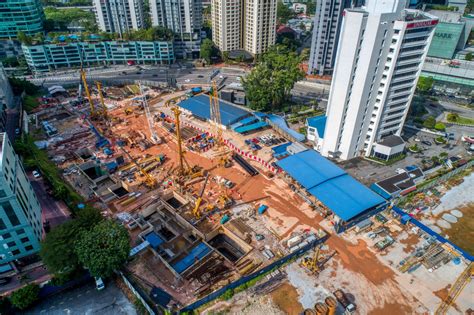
216	118
456	289
311	263
149	181
196	211
101	96
88	94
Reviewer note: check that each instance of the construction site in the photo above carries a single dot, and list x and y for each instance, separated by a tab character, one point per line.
213	193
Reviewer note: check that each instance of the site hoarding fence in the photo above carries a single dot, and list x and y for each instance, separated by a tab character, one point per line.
138	294
231	286
438	237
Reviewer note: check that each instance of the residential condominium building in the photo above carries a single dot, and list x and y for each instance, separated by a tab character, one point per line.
20	16
183	17
53	56
327	25
20	212
119	16
244	24
6	97
381	51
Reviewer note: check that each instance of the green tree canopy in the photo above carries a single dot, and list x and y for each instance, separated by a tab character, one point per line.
104	248
58	248
440	126
208	50
25	297
469	56
425	84
268	85
430	122
59	19
284	13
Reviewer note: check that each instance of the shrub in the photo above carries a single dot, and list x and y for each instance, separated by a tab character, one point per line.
440	126
430	122
25	297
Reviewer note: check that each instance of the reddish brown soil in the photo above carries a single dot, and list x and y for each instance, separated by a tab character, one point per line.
410	243
286	298
358	258
391	309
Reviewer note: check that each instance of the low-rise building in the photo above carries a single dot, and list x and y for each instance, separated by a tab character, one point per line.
400	184
315	130
20	212
389	148
53	56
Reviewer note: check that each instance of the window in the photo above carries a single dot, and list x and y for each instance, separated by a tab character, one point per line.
20	231
2	225
29	247
16	252
25	240
7	207
2	193
11	244
6	235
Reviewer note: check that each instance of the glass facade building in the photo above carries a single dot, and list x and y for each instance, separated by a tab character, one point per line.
20	15
20	212
445	40
53	56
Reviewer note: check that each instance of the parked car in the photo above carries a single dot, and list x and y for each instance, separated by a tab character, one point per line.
247	142
99	283
426	142
36	174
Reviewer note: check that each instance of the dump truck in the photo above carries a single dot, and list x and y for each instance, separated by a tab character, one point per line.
341	297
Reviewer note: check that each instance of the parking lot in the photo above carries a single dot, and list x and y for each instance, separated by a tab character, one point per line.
86	300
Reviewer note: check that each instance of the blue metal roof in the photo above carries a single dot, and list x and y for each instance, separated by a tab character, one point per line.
330	184
197	253
200	107
318	122
251	127
281	123
154	239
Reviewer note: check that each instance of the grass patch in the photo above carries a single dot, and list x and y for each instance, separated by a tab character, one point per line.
460	120
389	161
30	102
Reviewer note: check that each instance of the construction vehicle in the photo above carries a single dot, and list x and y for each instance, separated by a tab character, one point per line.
149	180
311	263
154	137
341	297
101	96
456	289
101	140
225	201
196	211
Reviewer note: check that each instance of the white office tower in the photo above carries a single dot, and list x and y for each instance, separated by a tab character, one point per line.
119	16
327	26
244	24
183	17
382	47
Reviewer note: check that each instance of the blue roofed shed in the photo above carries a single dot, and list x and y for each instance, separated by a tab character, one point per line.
199	106
318	123
154	240
337	190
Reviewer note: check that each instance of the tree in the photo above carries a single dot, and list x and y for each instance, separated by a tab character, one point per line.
311	7
469	56
284	13
453	117
268	85
104	248
440	126
207	50
57	249
430	122
25	297
24	39
443	155
425	84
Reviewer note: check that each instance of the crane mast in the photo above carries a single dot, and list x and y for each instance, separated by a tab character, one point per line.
154	137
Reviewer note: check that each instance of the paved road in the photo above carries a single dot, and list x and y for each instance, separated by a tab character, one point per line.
54	211
87	300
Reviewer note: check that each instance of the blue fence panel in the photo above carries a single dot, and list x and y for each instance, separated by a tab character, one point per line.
433	233
244	279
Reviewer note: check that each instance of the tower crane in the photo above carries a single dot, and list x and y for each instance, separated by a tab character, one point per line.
101	96
149	181
216	118
88	94
456	289
154	137
183	167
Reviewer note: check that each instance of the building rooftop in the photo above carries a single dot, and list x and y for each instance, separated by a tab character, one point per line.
330	184
400	181
199	106
447	16
391	141
318	122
